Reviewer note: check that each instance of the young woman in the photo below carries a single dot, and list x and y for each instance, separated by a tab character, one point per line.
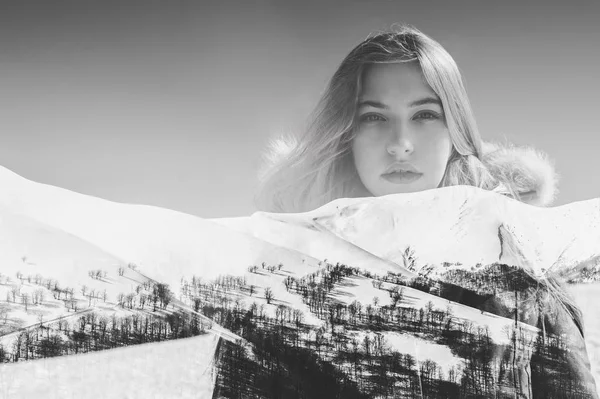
395	118
397	101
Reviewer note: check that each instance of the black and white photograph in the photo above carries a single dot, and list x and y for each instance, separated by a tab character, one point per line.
299	199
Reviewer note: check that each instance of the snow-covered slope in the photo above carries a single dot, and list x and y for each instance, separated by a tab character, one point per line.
159	370
33	247
437	224
162	242
63	235
440	224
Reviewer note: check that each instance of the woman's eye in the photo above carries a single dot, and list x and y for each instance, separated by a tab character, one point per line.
428	115
371	118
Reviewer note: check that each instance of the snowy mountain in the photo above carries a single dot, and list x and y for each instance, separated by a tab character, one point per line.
162	242
493	227
62	236
450	219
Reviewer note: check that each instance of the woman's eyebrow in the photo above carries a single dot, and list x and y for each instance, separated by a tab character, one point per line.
426	100
416	103
374	104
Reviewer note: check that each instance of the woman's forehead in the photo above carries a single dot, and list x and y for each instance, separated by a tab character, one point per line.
394	80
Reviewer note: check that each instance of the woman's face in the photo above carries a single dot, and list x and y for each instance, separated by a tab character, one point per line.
399	122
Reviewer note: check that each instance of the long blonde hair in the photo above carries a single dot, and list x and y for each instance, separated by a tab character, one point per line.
318	166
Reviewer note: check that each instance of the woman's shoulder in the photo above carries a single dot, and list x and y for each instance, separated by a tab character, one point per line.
528	171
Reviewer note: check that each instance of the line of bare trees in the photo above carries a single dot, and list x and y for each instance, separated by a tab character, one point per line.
94	332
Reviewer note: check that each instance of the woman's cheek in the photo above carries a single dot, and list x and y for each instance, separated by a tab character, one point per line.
442	143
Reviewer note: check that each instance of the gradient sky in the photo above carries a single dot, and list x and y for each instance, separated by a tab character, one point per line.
169	103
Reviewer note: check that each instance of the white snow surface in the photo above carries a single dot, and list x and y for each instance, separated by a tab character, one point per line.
161	370
63	235
438	224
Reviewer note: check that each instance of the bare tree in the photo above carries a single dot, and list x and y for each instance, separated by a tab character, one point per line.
3	353
366	343
38	296
17	345
15	291
61	323
377	283
129	298
121	299
396	294
91	294
163	293
25	300
269	295
320	339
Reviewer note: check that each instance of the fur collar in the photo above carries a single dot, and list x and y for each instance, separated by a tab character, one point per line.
530	172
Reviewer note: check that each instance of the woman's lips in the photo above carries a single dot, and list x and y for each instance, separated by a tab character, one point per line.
402	177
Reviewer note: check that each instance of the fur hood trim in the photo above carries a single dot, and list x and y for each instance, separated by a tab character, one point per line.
530	171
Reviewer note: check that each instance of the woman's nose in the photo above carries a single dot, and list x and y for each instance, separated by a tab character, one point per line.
400	143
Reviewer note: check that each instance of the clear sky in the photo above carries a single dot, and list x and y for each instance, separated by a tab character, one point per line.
169	103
